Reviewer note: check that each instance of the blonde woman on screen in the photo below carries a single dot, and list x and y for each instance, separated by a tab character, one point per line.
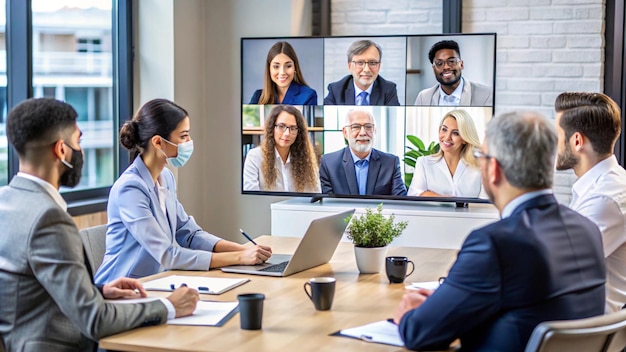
286	160
453	171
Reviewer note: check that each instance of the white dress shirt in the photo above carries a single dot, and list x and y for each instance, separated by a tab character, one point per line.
253	179
600	195
453	99
432	174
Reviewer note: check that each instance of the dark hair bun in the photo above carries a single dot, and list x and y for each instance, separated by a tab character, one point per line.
128	135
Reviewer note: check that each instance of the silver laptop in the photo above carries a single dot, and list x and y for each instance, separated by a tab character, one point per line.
316	248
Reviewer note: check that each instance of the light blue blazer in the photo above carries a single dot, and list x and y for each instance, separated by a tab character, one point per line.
141	240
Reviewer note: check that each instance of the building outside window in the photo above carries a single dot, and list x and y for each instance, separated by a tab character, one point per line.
73	61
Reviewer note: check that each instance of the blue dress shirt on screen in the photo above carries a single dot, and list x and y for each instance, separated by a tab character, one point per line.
362	166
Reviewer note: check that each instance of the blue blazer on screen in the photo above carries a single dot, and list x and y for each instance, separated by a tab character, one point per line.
338	176
544	262
297	94
140	239
342	92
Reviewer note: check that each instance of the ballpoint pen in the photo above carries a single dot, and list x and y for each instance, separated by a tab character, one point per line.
246	236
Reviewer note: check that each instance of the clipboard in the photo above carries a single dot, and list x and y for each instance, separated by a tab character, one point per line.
383	332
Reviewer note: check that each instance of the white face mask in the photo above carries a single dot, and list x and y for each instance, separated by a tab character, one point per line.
184	153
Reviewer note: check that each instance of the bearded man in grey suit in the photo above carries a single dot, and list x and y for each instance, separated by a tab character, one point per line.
49	301
453	89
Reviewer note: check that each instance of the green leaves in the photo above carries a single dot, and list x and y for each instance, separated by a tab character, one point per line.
416	151
373	229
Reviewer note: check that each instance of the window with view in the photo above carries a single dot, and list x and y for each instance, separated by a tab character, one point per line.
73	61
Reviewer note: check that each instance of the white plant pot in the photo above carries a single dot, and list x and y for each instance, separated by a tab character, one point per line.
370	260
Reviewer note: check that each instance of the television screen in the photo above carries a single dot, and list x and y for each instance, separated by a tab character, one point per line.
390	117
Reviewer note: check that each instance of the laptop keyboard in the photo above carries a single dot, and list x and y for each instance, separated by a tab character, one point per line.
276	268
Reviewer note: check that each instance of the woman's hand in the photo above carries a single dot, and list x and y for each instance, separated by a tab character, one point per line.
255	255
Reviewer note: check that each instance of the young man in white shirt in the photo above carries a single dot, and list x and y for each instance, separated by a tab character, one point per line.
588	126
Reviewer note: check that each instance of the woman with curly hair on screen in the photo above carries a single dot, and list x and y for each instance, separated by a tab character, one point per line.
286	160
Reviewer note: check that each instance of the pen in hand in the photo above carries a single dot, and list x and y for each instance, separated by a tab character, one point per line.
248	237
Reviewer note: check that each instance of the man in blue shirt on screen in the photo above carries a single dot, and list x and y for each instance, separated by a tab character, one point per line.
363	86
359	168
541	262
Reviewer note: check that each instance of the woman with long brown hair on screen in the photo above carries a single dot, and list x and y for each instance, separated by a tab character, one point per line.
284	83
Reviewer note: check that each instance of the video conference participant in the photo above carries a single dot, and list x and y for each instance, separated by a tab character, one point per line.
453	89
286	160
283	83
453	171
49	302
588	125
363	86
148	230
541	262
359	168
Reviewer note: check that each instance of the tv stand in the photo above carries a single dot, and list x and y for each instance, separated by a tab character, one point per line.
431	224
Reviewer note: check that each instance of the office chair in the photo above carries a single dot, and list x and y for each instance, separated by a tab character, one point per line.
603	333
94	240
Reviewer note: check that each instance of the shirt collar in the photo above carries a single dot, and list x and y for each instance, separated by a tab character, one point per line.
510	208
53	192
356	158
278	158
589	178
456	94
358	90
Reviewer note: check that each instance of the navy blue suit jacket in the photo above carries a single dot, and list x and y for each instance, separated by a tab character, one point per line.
338	176
297	94
544	262
342	92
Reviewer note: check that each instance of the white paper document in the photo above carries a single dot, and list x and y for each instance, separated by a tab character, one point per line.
383	331
429	285
208	313
208	285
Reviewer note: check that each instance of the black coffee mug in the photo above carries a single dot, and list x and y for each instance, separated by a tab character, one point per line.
251	310
322	292
396	268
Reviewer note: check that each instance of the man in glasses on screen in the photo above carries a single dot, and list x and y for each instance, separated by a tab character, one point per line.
453	89
363	86
359	168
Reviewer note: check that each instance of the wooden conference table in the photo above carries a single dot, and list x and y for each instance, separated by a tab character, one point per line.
290	322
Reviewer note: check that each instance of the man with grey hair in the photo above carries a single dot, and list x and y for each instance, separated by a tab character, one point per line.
541	261
363	86
359	168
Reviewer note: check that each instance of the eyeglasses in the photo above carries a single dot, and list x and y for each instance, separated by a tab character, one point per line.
355	127
452	62
479	154
361	64
282	128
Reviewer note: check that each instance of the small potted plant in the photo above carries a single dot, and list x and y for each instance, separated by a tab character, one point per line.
371	233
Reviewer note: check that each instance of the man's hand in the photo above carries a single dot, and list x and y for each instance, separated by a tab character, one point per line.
411	300
184	300
123	288
255	255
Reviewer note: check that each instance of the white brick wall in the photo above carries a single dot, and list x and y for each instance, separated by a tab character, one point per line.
544	47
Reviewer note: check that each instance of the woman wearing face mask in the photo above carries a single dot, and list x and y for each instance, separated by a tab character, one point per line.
283	83
453	171
148	229
285	161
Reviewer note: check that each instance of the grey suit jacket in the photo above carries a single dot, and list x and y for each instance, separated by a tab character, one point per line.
474	94
49	302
